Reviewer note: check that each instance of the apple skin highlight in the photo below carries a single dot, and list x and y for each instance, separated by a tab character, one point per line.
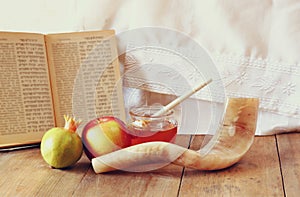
104	135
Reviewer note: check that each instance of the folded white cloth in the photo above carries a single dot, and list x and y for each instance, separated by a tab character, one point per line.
254	44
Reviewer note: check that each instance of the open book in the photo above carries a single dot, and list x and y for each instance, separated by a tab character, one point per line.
44	77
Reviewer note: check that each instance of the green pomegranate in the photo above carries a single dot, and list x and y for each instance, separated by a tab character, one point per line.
62	147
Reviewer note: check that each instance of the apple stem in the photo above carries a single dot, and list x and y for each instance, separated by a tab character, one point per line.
181	98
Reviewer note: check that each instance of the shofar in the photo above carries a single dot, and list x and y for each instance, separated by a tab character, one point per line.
227	146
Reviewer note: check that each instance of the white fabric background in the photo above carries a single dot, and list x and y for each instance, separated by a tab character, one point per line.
254	43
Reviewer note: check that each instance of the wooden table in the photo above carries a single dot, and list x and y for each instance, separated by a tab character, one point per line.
270	168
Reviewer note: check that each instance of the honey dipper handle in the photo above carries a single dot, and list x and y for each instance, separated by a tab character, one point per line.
181	98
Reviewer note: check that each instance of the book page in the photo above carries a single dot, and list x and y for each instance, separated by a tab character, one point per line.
85	75
26	110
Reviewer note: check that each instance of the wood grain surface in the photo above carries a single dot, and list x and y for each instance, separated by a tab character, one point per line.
270	168
289	146
257	174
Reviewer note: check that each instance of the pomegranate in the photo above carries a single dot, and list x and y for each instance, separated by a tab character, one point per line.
62	147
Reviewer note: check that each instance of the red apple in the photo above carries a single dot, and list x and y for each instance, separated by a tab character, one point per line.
104	135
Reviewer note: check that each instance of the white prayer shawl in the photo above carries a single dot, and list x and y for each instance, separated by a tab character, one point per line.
253	44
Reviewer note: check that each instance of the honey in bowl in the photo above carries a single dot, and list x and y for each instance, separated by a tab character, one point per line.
144	127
